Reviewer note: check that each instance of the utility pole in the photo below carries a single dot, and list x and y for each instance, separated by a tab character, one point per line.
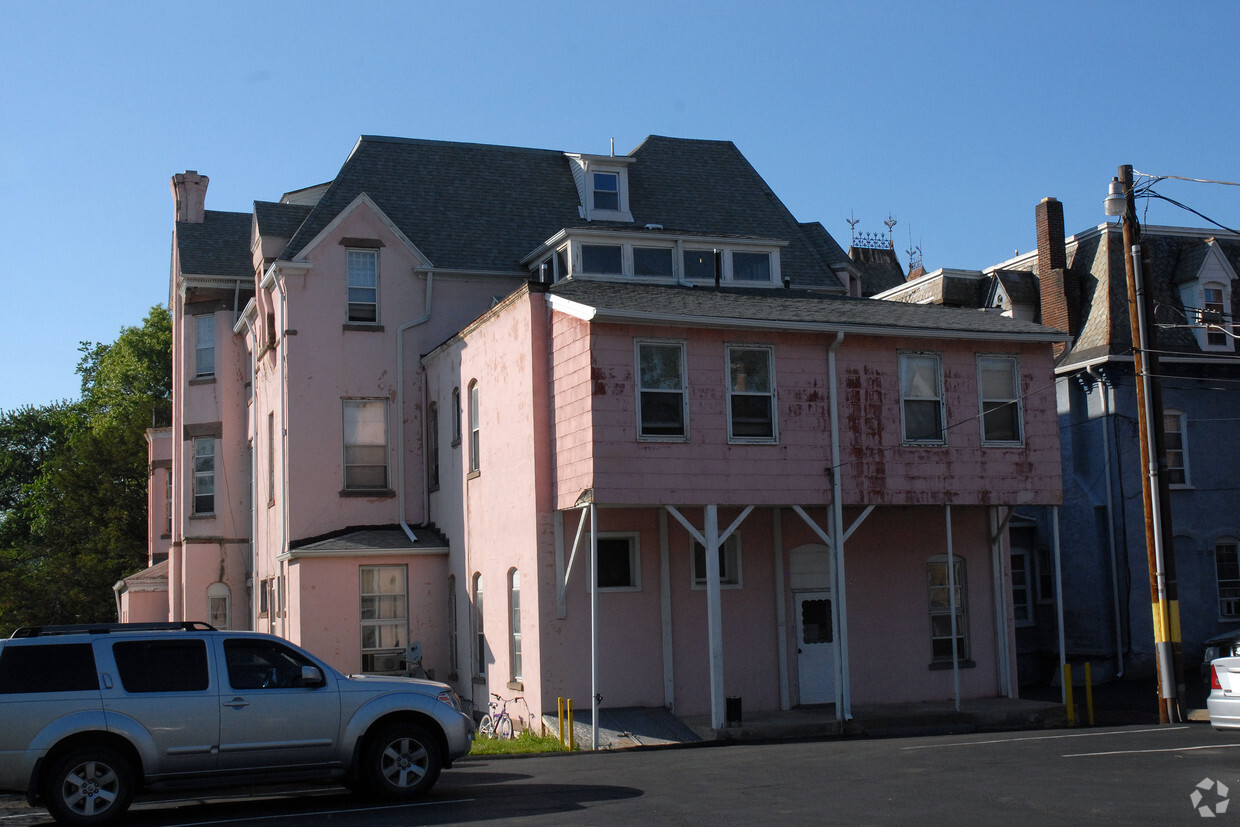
1154	487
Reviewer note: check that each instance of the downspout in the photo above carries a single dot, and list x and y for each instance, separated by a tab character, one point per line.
400	412
252	614
274	274
843	692
1105	387
594	695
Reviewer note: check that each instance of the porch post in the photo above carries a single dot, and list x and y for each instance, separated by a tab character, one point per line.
781	608
1063	652
594	696
714	617
951	597
665	612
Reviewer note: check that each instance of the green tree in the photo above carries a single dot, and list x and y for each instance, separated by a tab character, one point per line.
73	514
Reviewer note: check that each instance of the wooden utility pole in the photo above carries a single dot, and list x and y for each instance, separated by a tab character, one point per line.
1154	487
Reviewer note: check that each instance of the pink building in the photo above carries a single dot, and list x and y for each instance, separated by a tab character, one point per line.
582	426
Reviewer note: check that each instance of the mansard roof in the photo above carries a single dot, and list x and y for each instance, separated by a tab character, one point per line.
219	246
485	208
787	310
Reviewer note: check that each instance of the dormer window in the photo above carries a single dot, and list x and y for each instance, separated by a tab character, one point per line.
606	190
1206	293
654	256
601	259
751	266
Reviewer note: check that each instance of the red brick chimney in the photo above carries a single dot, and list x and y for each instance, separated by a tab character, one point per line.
1060	288
189	195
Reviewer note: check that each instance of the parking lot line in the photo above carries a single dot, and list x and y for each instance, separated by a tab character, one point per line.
1044	737
344	811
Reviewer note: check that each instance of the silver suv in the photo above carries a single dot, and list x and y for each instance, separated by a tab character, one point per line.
91	714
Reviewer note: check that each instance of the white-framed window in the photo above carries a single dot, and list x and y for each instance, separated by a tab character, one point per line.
662	400
1045	574
432	445
751	394
1214	307
204	475
385	618
1022	587
700	264
363	285
750	266
514	625
619	563
1227	568
454	660
168	502
271	458
204	346
475	430
219	605
653	262
365	444
729	563
602	259
941	590
1175	442
480	640
921	398
998	386
606	190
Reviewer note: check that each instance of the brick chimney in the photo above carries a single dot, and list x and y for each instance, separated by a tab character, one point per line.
189	195
1060	288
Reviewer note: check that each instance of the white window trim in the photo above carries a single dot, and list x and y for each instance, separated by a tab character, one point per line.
1014	361
398	621
635	559
387	445
479	640
196	474
684	389
1188	476
475	429
731	550
1030	597
938	357
204	323
378	318
515	664
773	439
220	591
572	259
962	608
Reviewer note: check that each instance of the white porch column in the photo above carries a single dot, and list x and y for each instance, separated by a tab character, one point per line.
951	597
714	617
665	614
593	627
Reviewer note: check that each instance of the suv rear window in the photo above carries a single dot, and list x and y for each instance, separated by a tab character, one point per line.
162	665
58	667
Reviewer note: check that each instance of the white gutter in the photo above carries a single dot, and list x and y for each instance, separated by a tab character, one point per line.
273	280
843	693
252	613
400	411
1105	388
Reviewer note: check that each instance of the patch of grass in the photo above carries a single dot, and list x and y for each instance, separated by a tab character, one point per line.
523	742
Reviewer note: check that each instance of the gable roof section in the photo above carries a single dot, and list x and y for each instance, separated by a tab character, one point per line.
485	208
784	310
219	246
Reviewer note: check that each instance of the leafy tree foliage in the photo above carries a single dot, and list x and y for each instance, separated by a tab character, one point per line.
73	479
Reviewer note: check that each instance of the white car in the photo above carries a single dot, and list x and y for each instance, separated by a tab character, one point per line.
1224	699
90	715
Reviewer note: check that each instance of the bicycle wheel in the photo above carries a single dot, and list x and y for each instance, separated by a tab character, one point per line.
503	729
486	727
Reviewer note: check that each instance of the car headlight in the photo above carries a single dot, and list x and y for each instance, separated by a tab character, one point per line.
451	699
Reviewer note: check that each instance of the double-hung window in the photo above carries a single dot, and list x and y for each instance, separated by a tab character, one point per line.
1176	447
475	430
1215	311
204	346
606	190
662	400
921	398
947	592
363	277
1227	568
204	475
998	382
514	625
751	394
480	639
365	444
1022	587
384	618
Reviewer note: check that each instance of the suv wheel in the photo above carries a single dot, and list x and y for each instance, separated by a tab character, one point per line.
401	761
90	785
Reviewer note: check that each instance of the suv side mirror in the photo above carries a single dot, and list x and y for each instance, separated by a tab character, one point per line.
311	677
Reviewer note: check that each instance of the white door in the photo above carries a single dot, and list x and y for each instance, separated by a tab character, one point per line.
815	648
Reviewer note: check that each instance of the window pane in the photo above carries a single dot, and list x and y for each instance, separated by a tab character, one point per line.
652	261
162	665
60	667
816	621
920	377
751	266
606	191
660	367
751	416
615	569
699	264
1000	422
598	258
662	414
921	421
362	285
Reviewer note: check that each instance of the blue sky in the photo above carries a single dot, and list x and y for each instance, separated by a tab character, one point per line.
956	118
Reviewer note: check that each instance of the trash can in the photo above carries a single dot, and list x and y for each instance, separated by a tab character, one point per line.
733	711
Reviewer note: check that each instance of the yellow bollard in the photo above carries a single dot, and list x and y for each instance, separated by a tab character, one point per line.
1067	694
572	737
559	714
1089	695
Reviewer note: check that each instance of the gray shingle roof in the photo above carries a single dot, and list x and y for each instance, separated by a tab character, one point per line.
880	269
373	538
219	246
480	207
784	308
279	220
